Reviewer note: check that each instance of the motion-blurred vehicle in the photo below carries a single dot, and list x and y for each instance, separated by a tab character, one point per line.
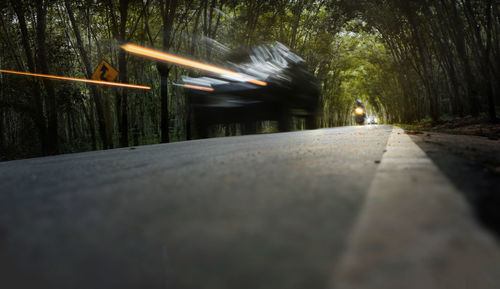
359	112
289	90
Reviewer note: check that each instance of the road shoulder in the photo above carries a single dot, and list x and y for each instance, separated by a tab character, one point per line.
416	230
472	164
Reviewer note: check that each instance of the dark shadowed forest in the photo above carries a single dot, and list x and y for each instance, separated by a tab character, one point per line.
407	60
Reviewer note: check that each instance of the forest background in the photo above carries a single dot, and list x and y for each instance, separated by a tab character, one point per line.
408	60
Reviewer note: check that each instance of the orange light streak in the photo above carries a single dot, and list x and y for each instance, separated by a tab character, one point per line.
198	87
158	55
77	79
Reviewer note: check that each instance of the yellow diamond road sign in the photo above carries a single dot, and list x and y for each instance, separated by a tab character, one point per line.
105	72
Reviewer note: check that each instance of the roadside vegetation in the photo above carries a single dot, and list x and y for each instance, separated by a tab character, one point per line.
408	61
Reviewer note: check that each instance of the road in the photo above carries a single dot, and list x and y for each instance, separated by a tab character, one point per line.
261	211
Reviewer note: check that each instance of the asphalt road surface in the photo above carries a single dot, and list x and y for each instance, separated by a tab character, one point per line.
261	211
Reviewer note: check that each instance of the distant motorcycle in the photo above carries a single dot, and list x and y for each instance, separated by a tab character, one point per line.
359	113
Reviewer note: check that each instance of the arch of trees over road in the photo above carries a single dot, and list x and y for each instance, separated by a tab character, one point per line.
408	60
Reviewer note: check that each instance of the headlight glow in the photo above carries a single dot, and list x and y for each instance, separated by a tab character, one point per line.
359	111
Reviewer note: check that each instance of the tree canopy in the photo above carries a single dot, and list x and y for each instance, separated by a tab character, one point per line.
408	60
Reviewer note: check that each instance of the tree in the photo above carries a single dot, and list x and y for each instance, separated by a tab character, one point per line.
104	128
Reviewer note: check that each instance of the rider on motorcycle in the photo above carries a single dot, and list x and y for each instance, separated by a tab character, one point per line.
359	112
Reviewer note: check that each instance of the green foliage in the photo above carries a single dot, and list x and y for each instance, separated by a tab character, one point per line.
406	60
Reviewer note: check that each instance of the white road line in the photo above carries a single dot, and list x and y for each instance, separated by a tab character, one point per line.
416	230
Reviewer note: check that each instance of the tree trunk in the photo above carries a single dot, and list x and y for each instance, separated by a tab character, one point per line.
2	127
167	10
119	32
89	116
122	100
88	69
421	56
474	99
39	118
164	71
297	12
487	71
41	26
